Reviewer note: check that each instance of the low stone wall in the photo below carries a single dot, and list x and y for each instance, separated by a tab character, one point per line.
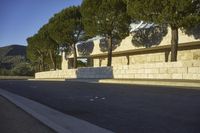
164	70
58	74
89	72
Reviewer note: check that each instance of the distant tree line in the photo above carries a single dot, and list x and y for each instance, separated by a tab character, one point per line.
13	61
110	19
21	69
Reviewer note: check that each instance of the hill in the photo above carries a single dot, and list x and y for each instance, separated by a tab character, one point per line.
12	55
13	50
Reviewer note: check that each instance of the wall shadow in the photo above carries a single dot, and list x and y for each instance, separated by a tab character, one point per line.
104	44
193	31
147	37
95	73
86	48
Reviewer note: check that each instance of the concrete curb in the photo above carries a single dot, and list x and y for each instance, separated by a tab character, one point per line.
46	79
195	84
162	82
154	82
57	121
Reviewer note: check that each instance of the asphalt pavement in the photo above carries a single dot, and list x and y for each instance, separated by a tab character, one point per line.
15	120
119	108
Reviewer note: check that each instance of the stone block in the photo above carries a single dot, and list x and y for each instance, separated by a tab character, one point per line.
177	64
138	76
191	76
125	67
182	70
177	76
157	58
172	70
162	58
163	70
194	70
168	64
141	71
131	76
185	55
152	76
187	63
196	55
159	65
196	63
130	71
147	71
164	76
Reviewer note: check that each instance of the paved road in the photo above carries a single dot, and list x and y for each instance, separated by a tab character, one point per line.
120	108
14	120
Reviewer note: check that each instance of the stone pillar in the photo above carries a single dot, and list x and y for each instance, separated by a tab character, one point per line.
64	62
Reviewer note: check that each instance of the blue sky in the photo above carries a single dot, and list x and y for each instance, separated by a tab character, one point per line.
20	19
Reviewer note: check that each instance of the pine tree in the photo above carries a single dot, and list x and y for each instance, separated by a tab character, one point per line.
176	13
66	28
50	45
107	18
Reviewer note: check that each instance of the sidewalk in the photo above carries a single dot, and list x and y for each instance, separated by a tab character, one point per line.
15	120
156	82
195	84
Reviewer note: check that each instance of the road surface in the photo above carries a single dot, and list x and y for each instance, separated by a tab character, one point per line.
119	108
15	120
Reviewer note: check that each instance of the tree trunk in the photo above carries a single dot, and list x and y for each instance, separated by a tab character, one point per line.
174	44
75	55
42	61
39	67
109	63
55	60
52	59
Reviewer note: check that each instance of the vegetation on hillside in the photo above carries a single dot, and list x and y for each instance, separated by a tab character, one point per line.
13	61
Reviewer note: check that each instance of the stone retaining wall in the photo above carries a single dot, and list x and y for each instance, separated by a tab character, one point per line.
58	74
164	70
168	70
185	55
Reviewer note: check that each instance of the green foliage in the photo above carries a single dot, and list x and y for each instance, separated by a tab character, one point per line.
36	51
42	50
23	69
4	72
46	39
50	45
66	28
10	57
81	63
105	18
176	13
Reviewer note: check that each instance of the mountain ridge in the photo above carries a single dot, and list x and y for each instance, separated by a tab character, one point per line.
12	55
13	50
